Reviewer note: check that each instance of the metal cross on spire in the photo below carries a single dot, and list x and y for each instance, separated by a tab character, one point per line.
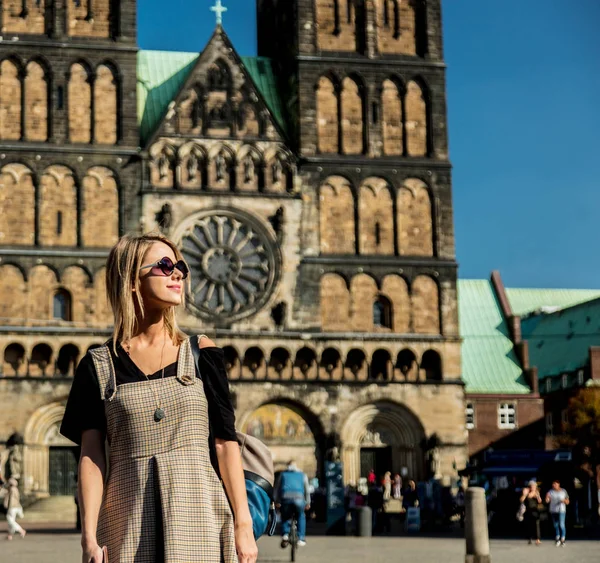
218	9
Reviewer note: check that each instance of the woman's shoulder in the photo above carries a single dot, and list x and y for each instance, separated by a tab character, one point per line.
206	342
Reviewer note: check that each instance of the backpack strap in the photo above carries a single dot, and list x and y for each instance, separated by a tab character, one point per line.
105	372
194	343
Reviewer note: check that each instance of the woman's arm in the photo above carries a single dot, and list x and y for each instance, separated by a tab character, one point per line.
232	473
524	495
92	468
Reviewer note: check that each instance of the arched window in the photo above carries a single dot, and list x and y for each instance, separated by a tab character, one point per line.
382	313
67	360
62	305
431	365
219	77
380	365
14	360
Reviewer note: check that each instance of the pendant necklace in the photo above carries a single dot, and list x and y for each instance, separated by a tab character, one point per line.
159	413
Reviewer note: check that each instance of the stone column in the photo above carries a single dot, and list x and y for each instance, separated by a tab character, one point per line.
476	527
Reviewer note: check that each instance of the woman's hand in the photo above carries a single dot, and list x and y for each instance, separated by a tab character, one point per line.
92	553
245	544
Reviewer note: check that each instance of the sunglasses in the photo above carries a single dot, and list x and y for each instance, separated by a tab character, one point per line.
166	267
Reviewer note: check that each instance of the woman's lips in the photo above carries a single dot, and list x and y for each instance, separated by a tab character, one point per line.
174	287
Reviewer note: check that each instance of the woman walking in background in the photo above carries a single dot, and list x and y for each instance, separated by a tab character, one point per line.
532	500
161	501
558	499
14	510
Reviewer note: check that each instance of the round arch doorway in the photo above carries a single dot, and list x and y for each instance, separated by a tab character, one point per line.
383	436
50	460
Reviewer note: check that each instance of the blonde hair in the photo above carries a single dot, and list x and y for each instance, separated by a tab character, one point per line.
122	276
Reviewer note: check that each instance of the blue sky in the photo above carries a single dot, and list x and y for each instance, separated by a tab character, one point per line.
524	121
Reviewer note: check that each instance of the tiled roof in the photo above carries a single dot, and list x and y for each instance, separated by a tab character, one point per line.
161	75
489	363
525	301
559	342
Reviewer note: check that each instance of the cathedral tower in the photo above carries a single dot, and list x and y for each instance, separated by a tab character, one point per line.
68	171
365	91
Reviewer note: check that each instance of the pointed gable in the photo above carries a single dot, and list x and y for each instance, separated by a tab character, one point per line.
216	94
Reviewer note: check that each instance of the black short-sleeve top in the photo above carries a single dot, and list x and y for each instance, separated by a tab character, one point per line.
85	407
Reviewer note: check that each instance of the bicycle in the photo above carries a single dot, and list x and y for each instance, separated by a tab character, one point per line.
294	537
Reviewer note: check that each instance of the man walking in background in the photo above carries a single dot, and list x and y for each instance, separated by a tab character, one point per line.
292	495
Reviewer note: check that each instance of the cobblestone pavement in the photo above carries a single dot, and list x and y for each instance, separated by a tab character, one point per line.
63	547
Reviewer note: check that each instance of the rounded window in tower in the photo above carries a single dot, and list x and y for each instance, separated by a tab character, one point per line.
234	262
382	313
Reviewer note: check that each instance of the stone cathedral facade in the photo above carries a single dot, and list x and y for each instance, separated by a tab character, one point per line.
309	189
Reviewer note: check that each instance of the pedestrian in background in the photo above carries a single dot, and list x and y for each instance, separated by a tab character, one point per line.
397	487
532	500
14	510
411	497
387	486
558	499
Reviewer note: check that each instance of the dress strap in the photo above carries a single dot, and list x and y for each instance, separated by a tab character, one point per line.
105	372
186	373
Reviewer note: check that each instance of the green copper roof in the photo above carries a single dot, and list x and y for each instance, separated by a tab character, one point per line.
559	342
261	72
525	301
161	75
489	364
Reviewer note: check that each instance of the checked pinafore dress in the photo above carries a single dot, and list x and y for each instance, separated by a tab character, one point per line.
162	500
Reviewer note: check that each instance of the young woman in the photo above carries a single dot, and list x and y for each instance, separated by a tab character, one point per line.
157	497
531	499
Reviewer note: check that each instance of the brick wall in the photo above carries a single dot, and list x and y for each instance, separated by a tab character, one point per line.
415	220
10	101
351	116
80	105
89	18
36	103
327	106
392	119
58	207
31	299
17	205
105	106
529	432
15	22
375	218
99	191
396	27
337	217
336	33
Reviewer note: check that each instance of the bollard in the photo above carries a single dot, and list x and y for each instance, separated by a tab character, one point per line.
476	526
365	522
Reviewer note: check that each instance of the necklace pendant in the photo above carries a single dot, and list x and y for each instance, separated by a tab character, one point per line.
159	414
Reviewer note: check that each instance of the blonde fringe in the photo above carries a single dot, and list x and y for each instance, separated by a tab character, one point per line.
122	276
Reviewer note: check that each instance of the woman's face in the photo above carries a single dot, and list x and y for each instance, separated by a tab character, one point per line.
158	289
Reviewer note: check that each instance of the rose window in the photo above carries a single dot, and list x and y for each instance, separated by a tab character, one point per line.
233	263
